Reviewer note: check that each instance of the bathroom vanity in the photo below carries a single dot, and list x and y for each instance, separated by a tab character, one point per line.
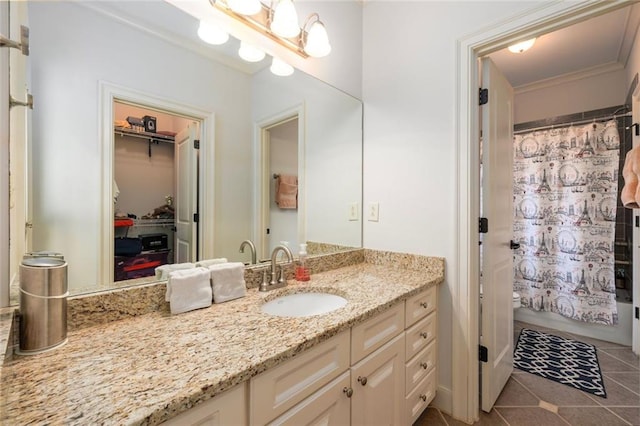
374	358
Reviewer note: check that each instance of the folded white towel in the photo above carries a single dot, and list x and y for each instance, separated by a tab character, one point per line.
228	281
190	289
162	271
208	262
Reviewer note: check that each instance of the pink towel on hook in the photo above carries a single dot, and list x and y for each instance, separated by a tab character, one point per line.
287	192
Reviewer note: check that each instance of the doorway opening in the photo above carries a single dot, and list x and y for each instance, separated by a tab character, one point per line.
280	191
465	290
178	140
146	190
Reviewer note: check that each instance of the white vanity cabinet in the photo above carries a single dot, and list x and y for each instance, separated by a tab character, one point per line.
382	371
420	353
229	408
377	369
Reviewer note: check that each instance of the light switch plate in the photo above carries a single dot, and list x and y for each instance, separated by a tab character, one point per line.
353	211
372	212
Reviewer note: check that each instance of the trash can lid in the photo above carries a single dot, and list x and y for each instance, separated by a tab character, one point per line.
43	262
43	253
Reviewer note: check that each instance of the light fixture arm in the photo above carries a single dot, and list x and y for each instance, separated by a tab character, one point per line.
305	28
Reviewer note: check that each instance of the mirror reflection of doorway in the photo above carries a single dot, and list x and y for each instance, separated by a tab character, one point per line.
155	190
281	155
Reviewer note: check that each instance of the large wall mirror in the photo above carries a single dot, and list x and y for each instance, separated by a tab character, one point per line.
150	48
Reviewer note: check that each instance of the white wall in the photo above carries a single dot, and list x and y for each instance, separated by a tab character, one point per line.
586	94
409	92
66	68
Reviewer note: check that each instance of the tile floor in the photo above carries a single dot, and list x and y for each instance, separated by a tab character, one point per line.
529	400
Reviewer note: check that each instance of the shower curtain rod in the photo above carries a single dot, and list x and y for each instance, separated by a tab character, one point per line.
570	123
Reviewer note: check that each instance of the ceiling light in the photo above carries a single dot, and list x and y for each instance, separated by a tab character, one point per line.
284	21
281	68
316	40
211	33
522	46
245	7
250	53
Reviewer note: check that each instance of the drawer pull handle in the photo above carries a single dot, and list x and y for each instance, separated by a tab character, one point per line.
424	365
348	391
423	397
424	304
362	380
424	335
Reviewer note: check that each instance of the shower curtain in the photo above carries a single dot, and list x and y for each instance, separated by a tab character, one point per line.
565	197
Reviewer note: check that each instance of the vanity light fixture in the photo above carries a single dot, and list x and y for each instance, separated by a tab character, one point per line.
210	33
250	53
279	22
315	39
284	19
522	46
281	68
245	7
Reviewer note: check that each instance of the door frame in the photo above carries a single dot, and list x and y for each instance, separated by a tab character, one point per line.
463	402
262	180
110	93
635	251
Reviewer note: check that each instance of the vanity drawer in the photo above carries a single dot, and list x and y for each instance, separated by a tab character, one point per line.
420	306
419	399
420	335
375	332
280	388
420	366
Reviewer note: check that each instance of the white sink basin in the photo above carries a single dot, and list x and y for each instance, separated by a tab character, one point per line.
303	304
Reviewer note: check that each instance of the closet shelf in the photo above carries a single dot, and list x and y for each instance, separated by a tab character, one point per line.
153	222
153	137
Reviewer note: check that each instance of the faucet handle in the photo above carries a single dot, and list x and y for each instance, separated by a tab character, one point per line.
264	286
281	272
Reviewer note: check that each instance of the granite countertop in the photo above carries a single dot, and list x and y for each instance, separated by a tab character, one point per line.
147	369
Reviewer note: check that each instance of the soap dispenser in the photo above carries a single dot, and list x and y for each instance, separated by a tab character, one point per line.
302	273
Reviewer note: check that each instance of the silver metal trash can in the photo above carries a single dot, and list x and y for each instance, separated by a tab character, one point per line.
43	302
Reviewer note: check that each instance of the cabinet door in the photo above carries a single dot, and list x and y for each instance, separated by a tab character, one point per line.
378	386
280	388
329	406
227	409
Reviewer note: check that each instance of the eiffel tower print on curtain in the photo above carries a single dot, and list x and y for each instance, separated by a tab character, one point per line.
565	189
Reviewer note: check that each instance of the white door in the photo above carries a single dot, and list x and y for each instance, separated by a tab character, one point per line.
186	194
497	258
19	152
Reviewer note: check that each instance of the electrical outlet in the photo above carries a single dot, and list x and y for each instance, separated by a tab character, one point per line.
372	212
353	211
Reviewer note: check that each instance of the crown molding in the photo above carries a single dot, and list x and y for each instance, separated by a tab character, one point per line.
569	77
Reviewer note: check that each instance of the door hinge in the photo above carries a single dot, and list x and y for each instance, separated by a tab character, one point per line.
637	221
196	144
637	312
483	353
484	225
484	96
196	218
268	231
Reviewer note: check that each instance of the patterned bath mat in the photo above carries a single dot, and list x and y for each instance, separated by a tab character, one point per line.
565	361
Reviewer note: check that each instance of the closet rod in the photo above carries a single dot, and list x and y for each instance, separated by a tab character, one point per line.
570	123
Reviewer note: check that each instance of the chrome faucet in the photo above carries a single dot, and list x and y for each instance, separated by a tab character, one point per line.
272	281
253	250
